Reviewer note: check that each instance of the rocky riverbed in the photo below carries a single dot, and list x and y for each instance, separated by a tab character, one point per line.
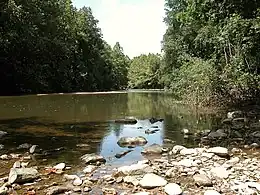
209	169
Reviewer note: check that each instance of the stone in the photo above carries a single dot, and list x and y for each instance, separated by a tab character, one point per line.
142	193
220	151
185	131
189	151
57	190
17	164
217	135
202	180
211	192
4	157
153	149
70	177
22	175
132	141
60	166
89	169
121	154
254	185
151	131
110	191
170	173
220	172
173	189
131	180
126	121
33	149
93	158
24	146
77	182
134	169
234	114
151	180
186	163
176	149
2	134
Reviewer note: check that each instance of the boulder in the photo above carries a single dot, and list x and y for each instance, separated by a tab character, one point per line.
132	141
173	189
93	158
22	175
153	149
220	172
151	180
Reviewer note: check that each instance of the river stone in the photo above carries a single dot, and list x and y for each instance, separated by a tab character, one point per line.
176	149
202	180
70	177
57	190
217	135
211	192
189	151
131	180
77	182
89	169
24	146
135	169
254	185
220	172
173	189
151	180
60	166
32	149
132	141
93	158
126	121
234	114
153	149
186	163
185	131
220	151
142	193
2	134
22	175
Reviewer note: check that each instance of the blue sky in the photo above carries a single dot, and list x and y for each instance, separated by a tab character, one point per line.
136	24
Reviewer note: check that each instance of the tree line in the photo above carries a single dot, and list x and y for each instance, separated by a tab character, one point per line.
210	51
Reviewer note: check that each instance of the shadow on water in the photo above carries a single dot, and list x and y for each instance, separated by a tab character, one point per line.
54	121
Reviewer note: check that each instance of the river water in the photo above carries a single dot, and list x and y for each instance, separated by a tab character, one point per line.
68	120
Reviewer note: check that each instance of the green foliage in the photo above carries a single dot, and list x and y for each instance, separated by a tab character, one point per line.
212	46
50	46
144	72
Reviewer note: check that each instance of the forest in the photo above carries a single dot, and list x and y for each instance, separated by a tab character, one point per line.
210	51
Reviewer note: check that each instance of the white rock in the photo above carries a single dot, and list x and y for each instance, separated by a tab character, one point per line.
60	166
77	182
221	151
173	189
254	185
151	180
89	169
220	172
211	192
135	169
176	149
189	151
186	163
70	177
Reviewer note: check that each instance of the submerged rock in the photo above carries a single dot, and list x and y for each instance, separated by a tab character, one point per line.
132	141
173	189
33	149
151	180
22	175
153	149
149	131
126	121
121	154
93	158
154	120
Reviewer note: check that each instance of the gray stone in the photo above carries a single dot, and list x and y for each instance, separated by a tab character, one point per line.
186	163
77	182
220	151
153	149
93	158
135	169
202	180
173	189
132	141
189	151
22	175
151	180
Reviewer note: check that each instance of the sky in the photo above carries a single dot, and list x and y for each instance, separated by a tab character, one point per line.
136	24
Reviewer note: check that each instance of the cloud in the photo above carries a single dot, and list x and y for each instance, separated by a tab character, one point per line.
136	24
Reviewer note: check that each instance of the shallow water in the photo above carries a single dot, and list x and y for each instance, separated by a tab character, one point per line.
65	120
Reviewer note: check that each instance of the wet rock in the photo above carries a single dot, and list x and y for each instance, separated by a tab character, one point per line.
77	182
131	180
151	180
153	149
173	189
57	190
24	146
121	154
217	135
60	166
211	192
149	131
126	121
234	114
135	169
33	149
185	131
220	151
132	141
202	180
154	120
89	169
2	134
176	149
93	158
22	175
109	191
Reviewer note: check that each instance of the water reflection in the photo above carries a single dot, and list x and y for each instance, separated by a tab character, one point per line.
86	119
